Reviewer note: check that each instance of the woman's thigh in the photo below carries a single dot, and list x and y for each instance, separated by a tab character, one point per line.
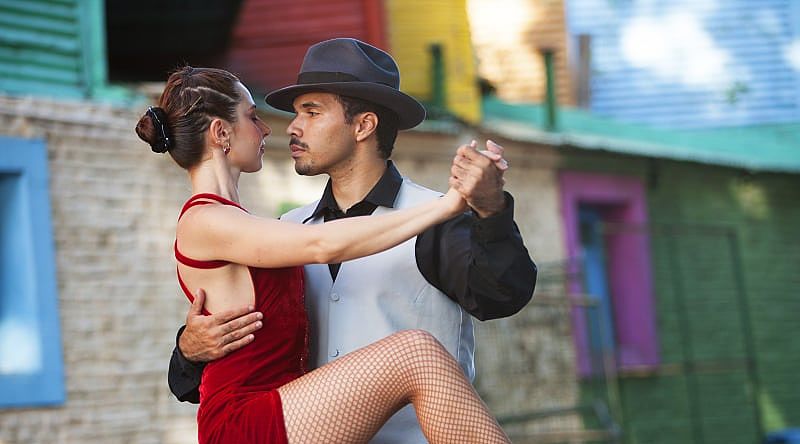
348	400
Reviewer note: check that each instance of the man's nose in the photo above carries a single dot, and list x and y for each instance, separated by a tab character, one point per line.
292	129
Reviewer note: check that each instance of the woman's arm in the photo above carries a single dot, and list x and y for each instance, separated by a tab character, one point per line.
221	232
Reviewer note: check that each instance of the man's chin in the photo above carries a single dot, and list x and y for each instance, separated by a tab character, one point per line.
304	169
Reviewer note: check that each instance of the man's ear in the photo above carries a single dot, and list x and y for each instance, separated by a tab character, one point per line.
219	132
366	125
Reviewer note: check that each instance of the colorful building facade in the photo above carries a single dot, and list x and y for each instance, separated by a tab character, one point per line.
666	305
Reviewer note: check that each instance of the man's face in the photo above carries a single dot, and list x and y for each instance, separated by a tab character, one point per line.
321	140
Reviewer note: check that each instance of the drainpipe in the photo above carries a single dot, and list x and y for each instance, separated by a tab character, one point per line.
438	96
551	106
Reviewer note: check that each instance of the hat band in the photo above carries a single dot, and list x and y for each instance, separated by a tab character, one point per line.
310	77
325	77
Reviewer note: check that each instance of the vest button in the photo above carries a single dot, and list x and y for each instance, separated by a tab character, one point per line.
335	353
334	297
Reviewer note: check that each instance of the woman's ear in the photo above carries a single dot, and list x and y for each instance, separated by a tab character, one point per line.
366	125
219	132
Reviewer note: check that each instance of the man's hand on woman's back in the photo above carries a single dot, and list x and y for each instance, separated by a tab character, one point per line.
210	337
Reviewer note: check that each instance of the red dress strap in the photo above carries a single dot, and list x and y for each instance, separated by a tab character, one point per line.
202	199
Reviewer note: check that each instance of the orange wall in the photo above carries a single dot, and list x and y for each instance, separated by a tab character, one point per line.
508	36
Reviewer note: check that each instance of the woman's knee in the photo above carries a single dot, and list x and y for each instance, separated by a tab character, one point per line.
419	339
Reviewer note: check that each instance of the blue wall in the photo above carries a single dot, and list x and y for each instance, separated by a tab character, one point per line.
692	63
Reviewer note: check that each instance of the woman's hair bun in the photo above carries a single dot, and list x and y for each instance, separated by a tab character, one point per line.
152	128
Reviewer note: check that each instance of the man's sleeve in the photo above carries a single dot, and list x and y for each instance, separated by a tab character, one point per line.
482	264
184	375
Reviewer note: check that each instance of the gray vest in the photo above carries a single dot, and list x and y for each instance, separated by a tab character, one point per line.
376	296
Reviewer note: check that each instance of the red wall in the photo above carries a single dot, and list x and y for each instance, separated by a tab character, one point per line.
270	37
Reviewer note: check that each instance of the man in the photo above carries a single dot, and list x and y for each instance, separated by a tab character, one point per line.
348	110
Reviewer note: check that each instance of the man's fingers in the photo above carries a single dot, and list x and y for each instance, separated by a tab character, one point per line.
241	322
472	165
493	152
458	170
480	159
236	345
468	149
229	315
241	332
465	167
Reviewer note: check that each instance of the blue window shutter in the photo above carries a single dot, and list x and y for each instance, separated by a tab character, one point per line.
31	363
53	48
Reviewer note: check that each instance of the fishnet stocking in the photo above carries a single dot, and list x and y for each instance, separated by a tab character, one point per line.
349	399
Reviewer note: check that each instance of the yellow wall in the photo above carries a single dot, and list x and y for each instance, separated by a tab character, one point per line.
413	25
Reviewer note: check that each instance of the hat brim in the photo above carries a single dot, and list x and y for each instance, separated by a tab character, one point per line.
410	112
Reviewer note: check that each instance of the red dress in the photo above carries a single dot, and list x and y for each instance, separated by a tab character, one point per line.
239	402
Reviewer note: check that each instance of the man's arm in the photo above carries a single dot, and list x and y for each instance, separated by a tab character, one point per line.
206	338
184	375
482	264
479	259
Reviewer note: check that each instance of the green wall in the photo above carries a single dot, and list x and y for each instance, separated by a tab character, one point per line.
726	258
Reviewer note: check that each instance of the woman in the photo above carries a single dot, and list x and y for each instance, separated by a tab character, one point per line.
206	120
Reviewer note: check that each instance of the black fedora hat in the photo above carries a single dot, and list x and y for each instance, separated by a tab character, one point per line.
352	68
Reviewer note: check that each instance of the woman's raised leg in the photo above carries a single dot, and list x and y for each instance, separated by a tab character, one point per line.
348	400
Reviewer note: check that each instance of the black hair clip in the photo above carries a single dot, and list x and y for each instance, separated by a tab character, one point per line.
159	117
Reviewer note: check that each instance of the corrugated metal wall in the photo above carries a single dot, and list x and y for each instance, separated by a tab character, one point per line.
43	47
271	36
693	63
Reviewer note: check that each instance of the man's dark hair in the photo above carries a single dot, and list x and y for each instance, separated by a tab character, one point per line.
387	121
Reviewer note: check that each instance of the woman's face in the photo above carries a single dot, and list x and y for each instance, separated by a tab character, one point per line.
249	132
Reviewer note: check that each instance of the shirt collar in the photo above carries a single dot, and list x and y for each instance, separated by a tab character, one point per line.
383	194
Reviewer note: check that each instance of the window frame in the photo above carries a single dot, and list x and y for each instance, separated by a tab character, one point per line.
26	159
629	268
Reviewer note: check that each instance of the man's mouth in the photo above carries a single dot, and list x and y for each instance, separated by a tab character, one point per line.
297	147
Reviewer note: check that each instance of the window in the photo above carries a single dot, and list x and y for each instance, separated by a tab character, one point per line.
31	367
605	219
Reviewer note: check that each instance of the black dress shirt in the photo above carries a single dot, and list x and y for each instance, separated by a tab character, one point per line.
480	263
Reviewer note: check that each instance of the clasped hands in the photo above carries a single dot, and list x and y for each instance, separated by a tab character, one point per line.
478	177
